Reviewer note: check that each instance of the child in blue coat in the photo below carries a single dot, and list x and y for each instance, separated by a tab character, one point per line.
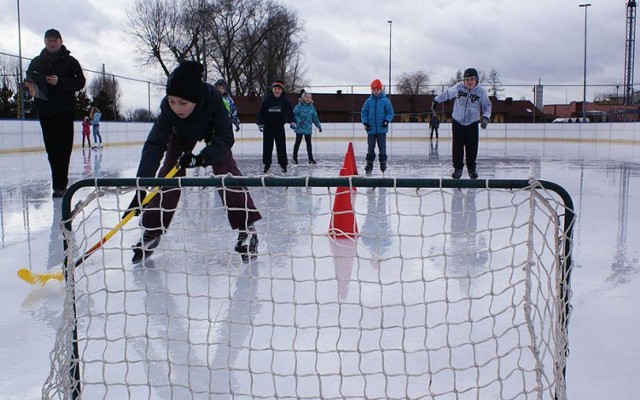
306	116
376	114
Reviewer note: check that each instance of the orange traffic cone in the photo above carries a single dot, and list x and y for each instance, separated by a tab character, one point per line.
343	221
350	162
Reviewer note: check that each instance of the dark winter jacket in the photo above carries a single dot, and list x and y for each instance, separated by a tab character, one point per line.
375	110
275	112
209	121
61	98
435	122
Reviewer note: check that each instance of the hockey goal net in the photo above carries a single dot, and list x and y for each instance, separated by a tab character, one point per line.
411	288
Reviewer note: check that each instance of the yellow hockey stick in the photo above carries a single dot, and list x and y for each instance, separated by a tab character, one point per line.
34	277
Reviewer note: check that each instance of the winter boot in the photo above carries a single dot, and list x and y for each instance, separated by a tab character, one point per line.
144	248
457	173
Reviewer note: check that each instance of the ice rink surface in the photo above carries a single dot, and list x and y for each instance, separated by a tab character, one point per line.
601	178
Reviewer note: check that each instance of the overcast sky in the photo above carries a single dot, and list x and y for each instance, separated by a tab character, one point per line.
347	41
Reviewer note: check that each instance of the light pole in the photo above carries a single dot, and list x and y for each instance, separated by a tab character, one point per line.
390	24
584	82
20	88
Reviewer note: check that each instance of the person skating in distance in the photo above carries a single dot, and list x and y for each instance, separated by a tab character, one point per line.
470	108
376	114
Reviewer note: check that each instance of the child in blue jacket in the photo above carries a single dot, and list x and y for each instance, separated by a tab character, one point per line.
376	114
306	116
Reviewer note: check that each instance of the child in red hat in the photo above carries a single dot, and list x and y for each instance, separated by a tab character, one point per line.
376	114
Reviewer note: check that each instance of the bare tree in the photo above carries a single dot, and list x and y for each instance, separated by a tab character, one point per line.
106	95
247	42
494	83
414	83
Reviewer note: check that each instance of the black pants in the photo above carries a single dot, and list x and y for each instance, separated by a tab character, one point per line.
296	146
269	137
465	140
241	211
434	130
57	133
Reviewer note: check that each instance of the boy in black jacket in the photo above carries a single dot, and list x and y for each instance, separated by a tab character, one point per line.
192	111
275	111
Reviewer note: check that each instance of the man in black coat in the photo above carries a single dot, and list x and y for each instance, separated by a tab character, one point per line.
53	77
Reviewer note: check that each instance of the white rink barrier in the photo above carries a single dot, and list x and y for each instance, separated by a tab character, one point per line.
19	136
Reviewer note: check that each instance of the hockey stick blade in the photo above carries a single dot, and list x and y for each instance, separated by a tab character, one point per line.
33	277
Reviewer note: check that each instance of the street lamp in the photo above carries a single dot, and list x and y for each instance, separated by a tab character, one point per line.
390	23
20	88
584	82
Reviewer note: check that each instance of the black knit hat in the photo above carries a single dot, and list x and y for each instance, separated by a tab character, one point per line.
186	81
470	72
53	33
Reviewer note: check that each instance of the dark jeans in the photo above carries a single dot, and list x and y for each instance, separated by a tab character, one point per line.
464	140
57	133
270	136
296	146
381	141
241	211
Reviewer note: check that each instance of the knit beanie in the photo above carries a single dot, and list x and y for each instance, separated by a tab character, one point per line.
279	84
470	73
221	82
186	81
376	84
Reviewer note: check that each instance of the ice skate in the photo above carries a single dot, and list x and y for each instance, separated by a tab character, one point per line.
143	249
457	173
473	174
312	161
248	251
383	166
368	168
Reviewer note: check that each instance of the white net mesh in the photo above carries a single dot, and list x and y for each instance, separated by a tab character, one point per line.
443	294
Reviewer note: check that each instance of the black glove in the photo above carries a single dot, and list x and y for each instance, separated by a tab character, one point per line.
484	122
238	128
367	127
135	203
320	130
261	128
292	125
385	123
188	160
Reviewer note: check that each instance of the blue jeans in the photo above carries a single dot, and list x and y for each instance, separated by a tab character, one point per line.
380	140
96	134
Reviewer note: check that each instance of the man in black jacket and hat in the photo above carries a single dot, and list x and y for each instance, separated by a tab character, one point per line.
53	78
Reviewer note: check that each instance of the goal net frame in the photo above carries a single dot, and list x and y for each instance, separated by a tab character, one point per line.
543	322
